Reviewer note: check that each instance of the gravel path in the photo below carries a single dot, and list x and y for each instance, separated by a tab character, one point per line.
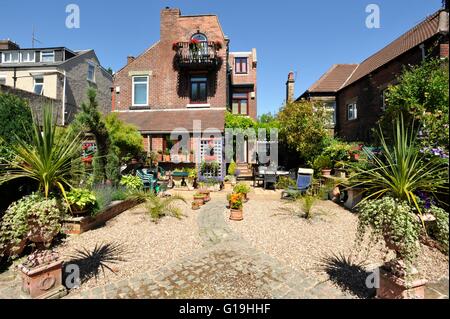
270	226
144	245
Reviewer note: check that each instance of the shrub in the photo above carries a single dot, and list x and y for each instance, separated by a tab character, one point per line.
104	197
241	188
322	162
81	198
232	168
132	183
284	182
394	221
440	230
30	215
307	202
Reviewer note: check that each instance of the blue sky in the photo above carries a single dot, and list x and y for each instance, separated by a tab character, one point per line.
306	37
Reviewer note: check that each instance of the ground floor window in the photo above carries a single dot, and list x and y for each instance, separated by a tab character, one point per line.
352	111
240	103
38	85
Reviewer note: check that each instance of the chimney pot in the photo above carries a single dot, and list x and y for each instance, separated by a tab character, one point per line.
290	88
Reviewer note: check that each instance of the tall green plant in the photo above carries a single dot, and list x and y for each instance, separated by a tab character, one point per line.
402	170
44	157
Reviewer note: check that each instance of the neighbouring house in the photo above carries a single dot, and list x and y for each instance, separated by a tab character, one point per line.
357	91
57	73
184	83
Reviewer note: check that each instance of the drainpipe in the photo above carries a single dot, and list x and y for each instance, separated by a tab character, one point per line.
15	77
422	47
63	117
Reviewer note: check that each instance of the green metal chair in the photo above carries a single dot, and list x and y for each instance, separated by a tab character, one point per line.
148	180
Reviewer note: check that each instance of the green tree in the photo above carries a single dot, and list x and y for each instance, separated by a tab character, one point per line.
90	120
421	95
126	141
303	128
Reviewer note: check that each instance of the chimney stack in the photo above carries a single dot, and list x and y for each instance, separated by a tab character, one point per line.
130	59
290	88
8	45
169	19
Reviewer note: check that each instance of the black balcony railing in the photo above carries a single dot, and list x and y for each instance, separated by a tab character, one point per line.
196	55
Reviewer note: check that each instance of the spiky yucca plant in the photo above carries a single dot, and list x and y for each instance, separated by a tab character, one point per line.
46	158
402	170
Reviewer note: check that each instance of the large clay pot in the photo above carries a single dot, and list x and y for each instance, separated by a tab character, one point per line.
236	214
196	205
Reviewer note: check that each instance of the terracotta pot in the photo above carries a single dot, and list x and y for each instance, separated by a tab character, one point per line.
355	156
236	214
195	205
394	287
42	280
335	192
326	172
166	158
77	211
199	200
159	157
37	236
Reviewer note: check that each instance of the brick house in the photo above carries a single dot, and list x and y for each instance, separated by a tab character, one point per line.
358	90
187	78
59	74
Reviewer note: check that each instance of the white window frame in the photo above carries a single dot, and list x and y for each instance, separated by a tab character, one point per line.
11	61
354	108
93	73
28	52
48	51
330	107
383	99
133	87
34	84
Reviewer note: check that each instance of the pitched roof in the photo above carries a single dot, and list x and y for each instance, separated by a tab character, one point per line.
334	78
165	121
412	38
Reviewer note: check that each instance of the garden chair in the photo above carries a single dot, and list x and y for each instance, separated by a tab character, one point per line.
257	177
270	177
148	180
304	182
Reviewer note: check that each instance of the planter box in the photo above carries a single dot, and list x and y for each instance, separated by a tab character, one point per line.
79	225
44	281
393	287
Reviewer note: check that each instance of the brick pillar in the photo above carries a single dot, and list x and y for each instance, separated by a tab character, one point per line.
290	88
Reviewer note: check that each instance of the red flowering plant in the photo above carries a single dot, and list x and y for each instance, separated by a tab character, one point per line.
236	201
194	45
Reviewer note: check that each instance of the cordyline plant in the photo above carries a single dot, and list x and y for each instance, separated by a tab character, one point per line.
46	158
402	170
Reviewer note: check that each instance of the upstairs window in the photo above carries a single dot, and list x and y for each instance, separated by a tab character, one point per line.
352	111
48	56
199	89
38	85
91	72
241	65
28	56
140	90
11	57
240	103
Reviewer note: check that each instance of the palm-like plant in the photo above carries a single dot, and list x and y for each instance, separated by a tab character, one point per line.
402	170
158	207
46	158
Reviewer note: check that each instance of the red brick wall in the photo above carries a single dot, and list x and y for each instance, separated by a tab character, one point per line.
164	91
444	50
251	77
367	93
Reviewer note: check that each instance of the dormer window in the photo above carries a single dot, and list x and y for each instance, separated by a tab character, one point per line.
28	56
11	57
48	56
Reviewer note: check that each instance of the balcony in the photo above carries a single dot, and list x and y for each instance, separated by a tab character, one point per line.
198	55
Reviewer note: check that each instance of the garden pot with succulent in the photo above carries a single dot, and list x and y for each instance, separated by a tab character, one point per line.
236	207
196	205
42	275
81	201
206	194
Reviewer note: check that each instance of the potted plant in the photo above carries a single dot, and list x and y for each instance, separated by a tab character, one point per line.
45	220
196	205
232	172
229	200
323	163
227	182
159	156
204	191
355	155
236	207
167	155
42	274
199	198
191	156
339	169
80	201
243	189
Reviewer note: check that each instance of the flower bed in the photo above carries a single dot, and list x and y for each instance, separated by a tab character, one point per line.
79	225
